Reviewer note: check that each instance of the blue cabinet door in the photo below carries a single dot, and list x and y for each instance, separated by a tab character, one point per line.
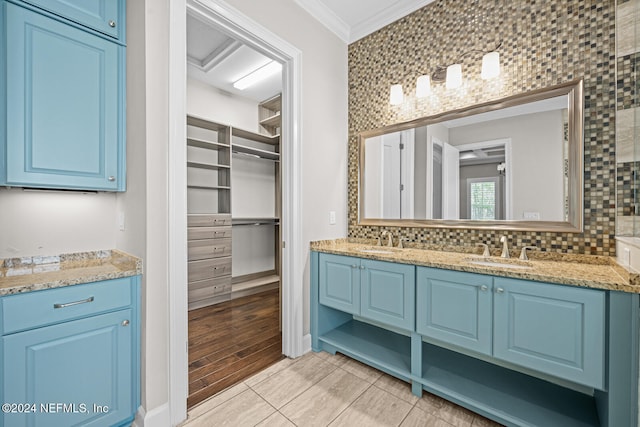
339	283
558	330
455	308
388	293
85	365
105	16
64	117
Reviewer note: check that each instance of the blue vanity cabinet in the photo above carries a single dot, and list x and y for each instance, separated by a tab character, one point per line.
340	282
558	330
376	290
64	117
105	16
75	356
455	307
388	293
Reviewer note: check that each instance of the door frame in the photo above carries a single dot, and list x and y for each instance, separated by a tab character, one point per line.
219	14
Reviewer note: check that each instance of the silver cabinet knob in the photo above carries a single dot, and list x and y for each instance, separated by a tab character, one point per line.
362	267
125	323
112	24
500	290
484	288
354	266
111	178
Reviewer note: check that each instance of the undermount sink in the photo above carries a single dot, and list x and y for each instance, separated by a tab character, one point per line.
499	263
376	251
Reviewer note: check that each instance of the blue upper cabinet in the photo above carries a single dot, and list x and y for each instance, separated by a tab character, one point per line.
105	16
65	92
455	308
554	329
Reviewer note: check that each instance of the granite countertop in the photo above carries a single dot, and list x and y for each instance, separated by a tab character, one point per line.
588	271
26	274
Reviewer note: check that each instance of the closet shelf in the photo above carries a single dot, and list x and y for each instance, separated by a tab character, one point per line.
271	120
210	145
206	166
210	187
256	152
273	103
253	136
255	221
260	281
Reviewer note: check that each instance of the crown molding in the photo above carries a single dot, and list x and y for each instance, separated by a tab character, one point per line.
386	16
326	17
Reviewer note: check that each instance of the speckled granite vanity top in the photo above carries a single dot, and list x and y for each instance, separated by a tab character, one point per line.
26	274
598	272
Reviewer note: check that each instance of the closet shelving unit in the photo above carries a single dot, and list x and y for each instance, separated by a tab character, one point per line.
210	149
259	147
209	212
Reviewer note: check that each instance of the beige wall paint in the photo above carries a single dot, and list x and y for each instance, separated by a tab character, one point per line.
51	223
324	119
210	103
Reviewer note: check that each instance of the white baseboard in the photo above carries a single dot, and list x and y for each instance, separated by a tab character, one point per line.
157	417
306	343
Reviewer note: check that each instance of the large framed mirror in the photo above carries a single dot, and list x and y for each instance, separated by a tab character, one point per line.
511	164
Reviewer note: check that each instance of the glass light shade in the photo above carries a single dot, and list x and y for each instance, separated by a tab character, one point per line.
423	86
396	97
454	76
490	65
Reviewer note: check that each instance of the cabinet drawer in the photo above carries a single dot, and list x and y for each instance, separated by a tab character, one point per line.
198	233
205	249
209	268
215	220
203	289
105	16
39	308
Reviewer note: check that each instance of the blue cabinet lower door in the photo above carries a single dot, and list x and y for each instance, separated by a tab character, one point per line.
75	373
558	330
388	293
455	308
64	126
339	283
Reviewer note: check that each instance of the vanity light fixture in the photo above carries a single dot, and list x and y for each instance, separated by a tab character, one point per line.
452	74
396	97
258	75
423	86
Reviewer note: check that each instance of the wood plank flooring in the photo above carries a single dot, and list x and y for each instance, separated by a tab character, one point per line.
231	341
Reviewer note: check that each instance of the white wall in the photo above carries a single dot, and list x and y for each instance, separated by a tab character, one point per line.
52	223
537	160
210	103
324	118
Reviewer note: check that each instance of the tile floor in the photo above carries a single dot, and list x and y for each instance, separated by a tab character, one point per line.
320	389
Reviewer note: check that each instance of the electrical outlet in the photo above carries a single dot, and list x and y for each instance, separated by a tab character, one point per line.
531	216
121	226
332	217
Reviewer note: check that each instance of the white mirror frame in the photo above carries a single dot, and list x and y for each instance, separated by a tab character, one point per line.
574	224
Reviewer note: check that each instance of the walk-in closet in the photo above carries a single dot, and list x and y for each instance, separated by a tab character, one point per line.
234	208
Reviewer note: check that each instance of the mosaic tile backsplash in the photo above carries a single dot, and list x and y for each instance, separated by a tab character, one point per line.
543	44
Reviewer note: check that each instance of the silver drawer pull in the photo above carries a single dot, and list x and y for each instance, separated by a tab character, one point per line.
125	323
484	288
69	304
112	24
500	290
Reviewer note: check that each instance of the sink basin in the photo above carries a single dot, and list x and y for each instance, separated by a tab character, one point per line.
375	251
501	264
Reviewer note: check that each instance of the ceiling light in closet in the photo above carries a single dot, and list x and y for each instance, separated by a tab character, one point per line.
258	75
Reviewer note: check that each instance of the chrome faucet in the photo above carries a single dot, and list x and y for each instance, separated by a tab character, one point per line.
485	253
505	247
523	252
383	234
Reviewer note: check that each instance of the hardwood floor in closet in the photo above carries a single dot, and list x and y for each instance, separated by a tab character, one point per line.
231	341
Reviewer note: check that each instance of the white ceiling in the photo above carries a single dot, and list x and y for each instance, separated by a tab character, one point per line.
353	19
218	60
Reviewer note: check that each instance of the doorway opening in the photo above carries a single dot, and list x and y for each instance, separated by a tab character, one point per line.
234	207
